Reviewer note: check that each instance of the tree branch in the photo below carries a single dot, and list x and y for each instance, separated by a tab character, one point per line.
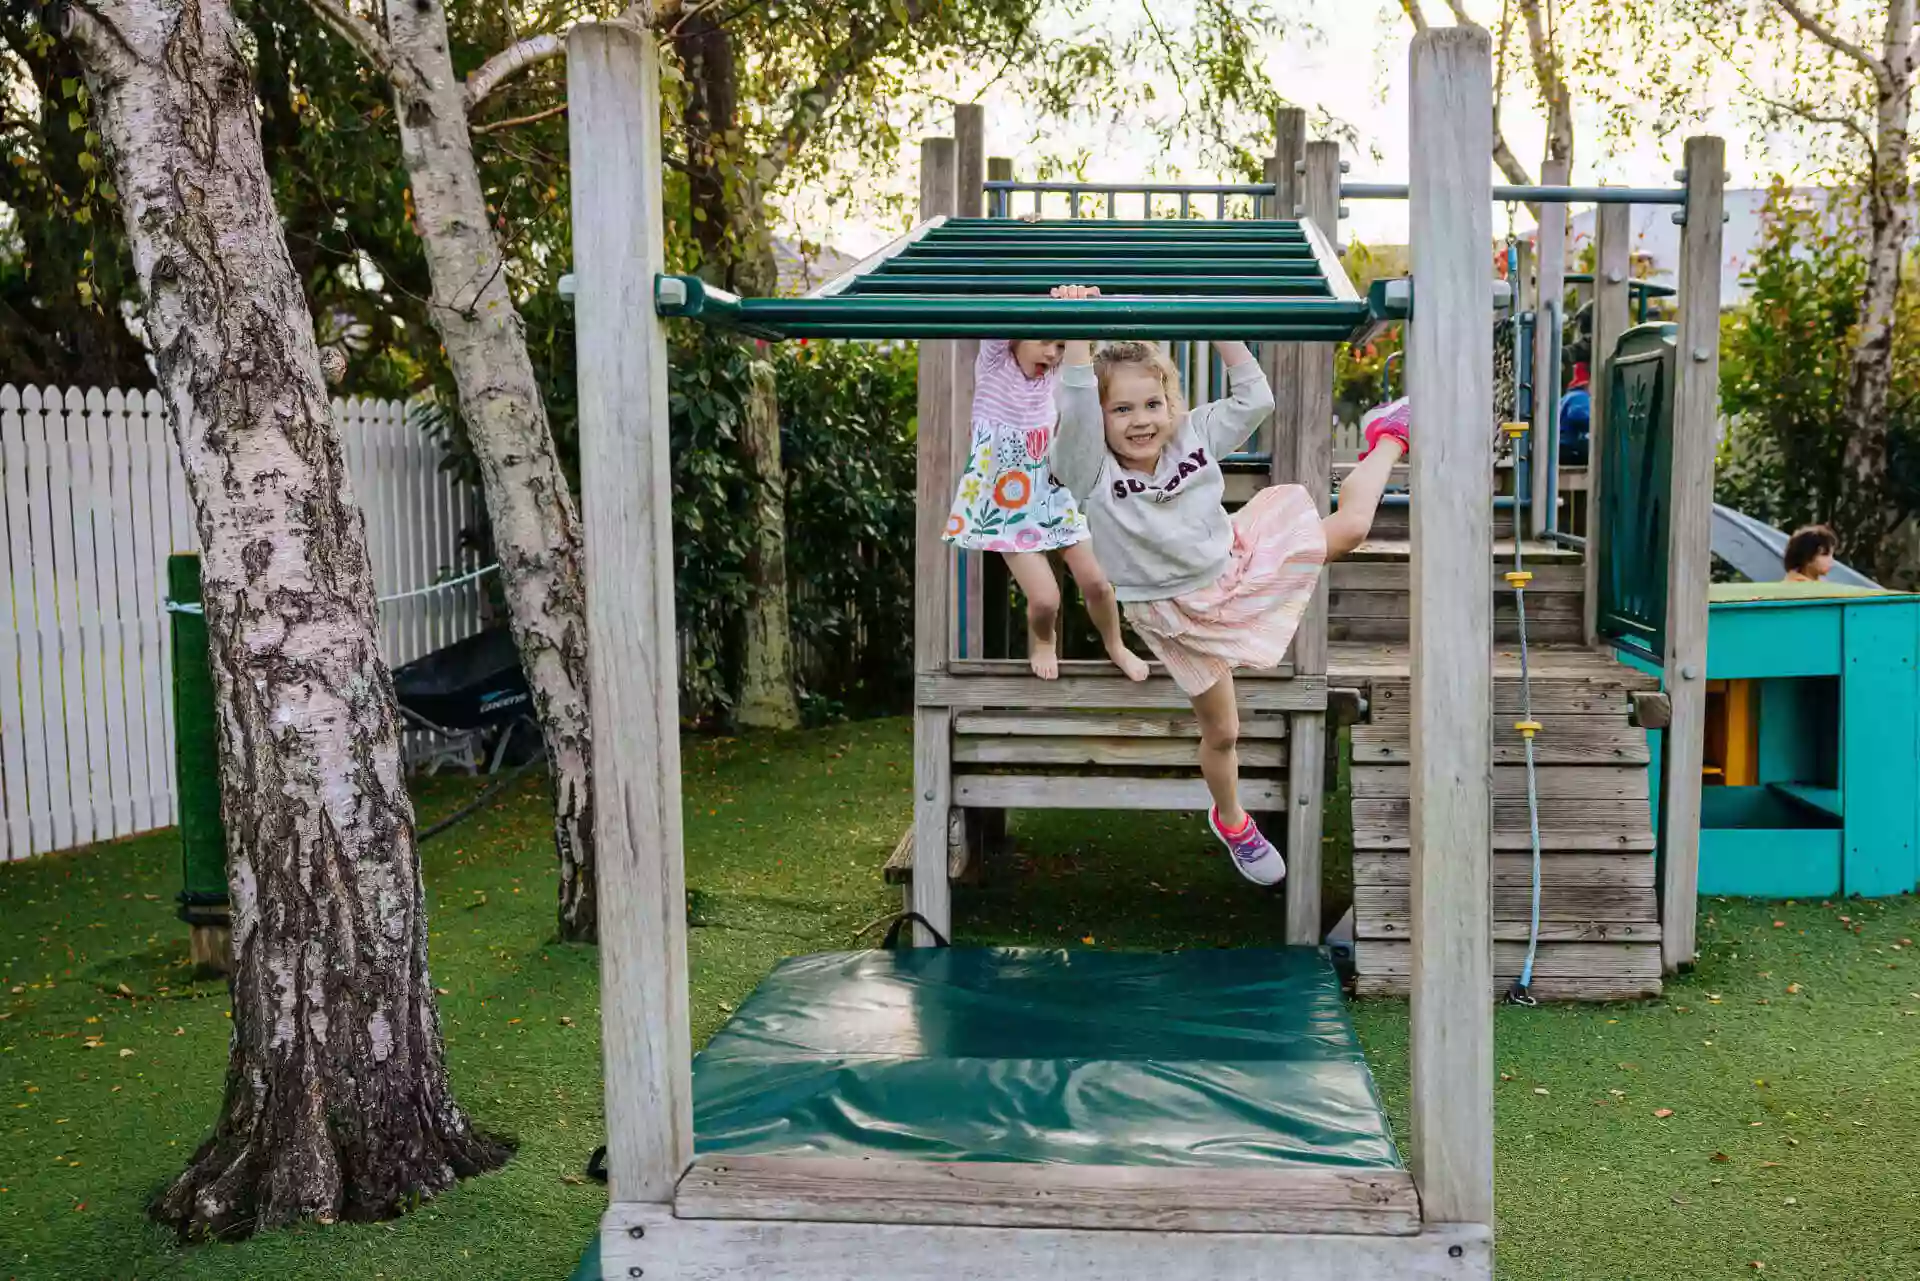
367	42
1834	40
496	126
510	62
810	105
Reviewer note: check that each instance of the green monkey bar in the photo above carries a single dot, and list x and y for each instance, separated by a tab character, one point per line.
984	277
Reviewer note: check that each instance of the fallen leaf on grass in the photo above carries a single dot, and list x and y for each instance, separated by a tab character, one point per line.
1791	1141
572	1179
1792	1200
179	1031
1678	1200
1506	1076
1539	1089
1793	989
126	1054
1618	1094
123	989
1663	1113
441	991
1779	925
1757	1266
1721	1157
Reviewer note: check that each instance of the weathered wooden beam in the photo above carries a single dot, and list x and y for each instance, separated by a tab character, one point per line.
1612	231
1450	377
1551	275
1696	404
644	1240
969	568
626	490
933	580
1276	1199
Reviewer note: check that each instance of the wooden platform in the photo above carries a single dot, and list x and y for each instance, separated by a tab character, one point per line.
1600	932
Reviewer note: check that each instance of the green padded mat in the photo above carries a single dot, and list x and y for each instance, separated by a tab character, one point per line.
1095	1058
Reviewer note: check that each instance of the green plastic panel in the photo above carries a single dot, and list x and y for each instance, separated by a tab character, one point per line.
203	847
1637	460
1096	1058
980	278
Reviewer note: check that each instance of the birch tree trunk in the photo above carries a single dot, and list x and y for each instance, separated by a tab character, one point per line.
337	1103
536	524
1889	221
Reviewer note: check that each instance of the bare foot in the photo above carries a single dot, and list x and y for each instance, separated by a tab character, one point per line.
1130	664
1044	661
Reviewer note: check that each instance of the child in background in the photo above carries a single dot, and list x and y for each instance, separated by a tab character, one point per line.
1009	502
1205	592
1809	554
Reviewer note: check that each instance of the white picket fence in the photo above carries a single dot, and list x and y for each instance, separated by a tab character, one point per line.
92	501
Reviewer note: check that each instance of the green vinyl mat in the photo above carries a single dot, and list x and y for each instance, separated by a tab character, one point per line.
1210	1058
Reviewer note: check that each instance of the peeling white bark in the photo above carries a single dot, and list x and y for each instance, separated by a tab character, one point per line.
535	522
311	785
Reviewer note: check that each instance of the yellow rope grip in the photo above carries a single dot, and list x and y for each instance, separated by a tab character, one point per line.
1516	430
1527	729
1518	578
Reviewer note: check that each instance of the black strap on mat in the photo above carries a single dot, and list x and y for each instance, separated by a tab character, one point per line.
597	1164
892	940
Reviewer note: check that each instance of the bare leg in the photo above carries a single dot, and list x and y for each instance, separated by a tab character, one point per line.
1347	528
1219	749
1035	576
1104	608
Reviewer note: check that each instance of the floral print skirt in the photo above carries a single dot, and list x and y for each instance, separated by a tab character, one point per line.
1008	500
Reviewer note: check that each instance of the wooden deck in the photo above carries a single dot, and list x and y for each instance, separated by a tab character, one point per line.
1600	931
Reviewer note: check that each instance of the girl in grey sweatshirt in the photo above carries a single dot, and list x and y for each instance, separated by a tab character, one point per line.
1205	591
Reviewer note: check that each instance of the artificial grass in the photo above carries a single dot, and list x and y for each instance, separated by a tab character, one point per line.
785	838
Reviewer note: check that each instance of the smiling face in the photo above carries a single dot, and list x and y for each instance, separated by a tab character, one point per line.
1139	411
1038	357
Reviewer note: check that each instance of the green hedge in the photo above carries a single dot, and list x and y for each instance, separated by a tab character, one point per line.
847	442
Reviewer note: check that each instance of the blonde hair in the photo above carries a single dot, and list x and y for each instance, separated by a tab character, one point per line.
1135	354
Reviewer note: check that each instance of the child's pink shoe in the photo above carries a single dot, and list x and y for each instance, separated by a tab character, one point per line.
1391	419
1253	854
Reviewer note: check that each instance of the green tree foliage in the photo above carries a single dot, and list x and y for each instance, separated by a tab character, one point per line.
65	279
847	436
1785	364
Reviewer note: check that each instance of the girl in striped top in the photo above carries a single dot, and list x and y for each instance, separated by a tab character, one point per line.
1009	501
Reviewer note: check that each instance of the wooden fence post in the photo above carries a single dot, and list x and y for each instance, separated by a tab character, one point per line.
1312	405
1696	402
933	583
970	174
1612	227
1551	272
619	245
1450	378
1281	359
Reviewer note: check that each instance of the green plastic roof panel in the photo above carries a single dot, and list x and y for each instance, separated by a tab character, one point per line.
988	277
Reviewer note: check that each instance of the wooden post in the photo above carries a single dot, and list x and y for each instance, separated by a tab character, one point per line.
1552	278
1450	378
1696	402
1281	359
970	174
933	583
1312	405
1000	169
1612	227
619	244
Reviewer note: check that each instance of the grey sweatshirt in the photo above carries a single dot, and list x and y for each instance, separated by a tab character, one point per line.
1166	535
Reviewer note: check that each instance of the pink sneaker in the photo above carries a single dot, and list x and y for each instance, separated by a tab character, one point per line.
1391	419
1253	854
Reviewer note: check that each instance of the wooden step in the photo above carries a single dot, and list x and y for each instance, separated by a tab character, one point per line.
1561	972
1389	548
1573	888
1394	575
1556	782
1566	740
1382	823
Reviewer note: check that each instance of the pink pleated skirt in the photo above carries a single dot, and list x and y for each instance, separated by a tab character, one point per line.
1247	616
